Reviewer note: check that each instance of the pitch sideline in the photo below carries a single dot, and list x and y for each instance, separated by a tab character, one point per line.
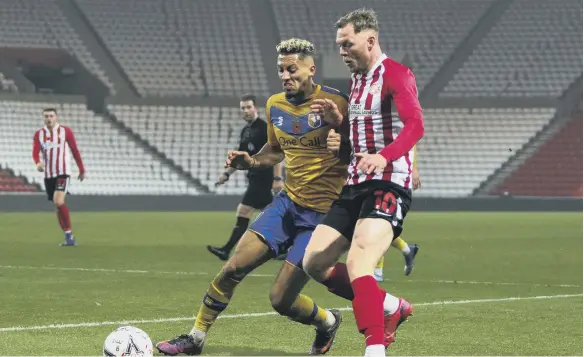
202	273
270	313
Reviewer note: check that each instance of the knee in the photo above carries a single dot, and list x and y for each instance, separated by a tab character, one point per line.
316	265
279	303
58	202
359	242
233	272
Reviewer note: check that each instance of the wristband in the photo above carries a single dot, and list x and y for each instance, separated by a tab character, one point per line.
278	178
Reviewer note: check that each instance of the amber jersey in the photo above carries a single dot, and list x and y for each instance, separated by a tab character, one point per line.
314	176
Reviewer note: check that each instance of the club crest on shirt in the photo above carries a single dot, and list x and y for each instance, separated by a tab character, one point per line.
314	120
375	88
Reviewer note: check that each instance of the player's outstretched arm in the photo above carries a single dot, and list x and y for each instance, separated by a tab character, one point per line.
268	156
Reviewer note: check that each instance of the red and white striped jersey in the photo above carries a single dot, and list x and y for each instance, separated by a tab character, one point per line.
373	129
54	146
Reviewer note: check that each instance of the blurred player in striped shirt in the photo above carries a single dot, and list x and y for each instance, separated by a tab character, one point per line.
53	142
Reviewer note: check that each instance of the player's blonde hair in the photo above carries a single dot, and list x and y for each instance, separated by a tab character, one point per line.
361	19
295	46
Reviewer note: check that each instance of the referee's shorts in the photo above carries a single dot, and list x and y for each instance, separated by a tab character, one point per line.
258	195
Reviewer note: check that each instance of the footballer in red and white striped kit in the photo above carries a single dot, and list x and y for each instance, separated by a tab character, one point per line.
56	143
370	210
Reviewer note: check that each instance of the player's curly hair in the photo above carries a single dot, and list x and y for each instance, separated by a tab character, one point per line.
361	19
294	46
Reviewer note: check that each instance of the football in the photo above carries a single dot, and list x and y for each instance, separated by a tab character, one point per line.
128	341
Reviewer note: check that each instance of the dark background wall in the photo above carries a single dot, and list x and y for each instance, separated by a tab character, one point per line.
38	202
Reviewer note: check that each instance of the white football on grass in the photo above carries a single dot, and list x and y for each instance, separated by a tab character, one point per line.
128	341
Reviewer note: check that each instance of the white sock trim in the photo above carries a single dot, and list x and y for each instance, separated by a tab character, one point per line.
375	350
390	304
198	335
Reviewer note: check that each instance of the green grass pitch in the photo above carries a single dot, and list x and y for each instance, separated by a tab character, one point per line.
154	267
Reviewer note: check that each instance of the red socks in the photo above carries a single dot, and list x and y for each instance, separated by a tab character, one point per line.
63	216
339	283
368	309
367	298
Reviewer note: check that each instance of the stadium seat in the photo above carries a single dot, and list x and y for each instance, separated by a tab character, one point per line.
11	183
41	24
554	170
7	85
181	47
196	138
534	50
427	30
115	165
462	147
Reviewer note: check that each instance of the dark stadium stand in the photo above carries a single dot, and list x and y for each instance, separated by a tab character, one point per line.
554	170
11	183
188	61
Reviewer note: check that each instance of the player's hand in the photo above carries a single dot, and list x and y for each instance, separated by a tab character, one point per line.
81	176
370	163
40	167
328	110
333	141
277	186
416	178
239	160
222	179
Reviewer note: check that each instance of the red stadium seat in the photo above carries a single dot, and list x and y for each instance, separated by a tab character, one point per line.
554	170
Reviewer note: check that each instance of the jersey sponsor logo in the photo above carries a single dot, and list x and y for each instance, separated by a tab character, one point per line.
49	145
359	110
314	120
315	142
250	147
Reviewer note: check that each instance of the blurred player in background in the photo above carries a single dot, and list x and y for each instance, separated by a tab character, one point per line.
372	206
409	250
314	179
53	142
262	182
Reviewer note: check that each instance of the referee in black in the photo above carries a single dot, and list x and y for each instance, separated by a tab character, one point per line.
261	182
